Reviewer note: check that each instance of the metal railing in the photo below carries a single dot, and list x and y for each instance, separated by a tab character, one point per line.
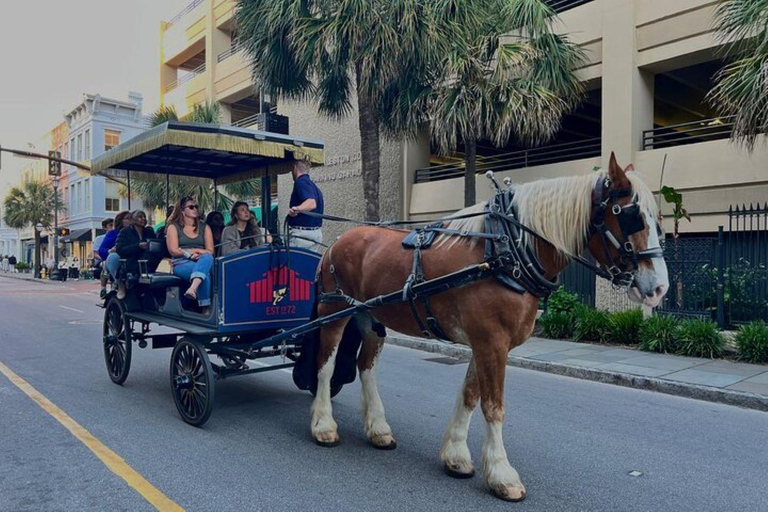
189	8
250	121
515	160
688	133
564	5
186	77
236	47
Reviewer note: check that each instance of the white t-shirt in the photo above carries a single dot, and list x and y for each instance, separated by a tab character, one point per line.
97	243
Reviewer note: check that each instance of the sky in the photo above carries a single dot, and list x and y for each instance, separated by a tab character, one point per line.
53	51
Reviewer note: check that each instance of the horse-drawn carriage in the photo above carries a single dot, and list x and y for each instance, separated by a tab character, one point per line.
277	300
263	298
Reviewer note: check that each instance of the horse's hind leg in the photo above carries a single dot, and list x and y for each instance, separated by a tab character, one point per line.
324	428
499	474
455	455
377	429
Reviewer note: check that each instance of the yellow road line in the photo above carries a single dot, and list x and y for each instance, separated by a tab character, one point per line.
110	459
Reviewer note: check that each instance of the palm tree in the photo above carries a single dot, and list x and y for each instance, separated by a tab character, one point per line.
153	193
498	86
741	87
331	51
29	206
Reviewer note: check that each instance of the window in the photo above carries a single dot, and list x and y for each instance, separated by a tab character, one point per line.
87	143
87	186
79	147
112	199
79	207
72	154
111	139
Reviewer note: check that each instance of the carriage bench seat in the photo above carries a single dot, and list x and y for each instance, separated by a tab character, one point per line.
162	280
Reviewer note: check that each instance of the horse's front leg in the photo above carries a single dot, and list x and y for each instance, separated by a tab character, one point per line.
324	428
499	474
455	455
377	430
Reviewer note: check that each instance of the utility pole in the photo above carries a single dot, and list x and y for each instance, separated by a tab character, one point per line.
54	171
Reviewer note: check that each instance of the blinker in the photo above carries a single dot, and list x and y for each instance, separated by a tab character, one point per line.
631	220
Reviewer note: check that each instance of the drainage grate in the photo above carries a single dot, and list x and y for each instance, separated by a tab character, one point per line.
446	360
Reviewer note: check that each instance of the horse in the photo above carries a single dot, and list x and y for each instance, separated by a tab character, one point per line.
485	315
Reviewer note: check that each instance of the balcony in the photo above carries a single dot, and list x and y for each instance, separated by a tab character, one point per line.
235	48
688	133
186	77
186	10
264	122
555	153
184	36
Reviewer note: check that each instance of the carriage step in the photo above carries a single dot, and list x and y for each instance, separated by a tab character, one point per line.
174	323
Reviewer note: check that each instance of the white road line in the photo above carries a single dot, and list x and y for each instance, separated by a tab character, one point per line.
72	309
284	370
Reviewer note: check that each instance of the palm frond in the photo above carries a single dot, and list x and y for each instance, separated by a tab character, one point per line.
162	115
207	112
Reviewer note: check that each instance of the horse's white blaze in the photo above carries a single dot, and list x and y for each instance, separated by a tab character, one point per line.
651	283
496	468
373	410
322	412
455	451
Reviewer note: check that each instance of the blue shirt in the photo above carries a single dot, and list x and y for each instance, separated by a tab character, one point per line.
109	242
304	188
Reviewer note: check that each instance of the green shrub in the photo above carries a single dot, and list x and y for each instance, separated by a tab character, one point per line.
752	343
625	326
700	338
556	325
562	302
22	266
660	334
591	324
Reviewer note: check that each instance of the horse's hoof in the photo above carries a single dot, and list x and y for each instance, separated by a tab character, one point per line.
509	493
327	440
386	442
454	472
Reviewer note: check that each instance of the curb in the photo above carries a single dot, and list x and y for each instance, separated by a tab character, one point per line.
669	387
32	280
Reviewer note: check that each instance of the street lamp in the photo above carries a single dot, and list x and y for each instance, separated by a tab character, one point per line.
55	183
39	228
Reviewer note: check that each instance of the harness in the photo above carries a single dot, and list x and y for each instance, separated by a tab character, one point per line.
509	255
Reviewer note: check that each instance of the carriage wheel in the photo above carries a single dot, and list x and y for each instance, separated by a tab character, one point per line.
117	341
192	381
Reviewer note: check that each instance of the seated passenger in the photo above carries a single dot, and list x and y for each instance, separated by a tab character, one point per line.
107	248
190	243
242	232
133	244
215	220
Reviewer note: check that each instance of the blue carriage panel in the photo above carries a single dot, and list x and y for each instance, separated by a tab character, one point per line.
264	289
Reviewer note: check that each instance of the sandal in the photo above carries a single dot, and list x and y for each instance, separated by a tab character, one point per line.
190	294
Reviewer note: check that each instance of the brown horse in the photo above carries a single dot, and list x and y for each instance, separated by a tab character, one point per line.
487	316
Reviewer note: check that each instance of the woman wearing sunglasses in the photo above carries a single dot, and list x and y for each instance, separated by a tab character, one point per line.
190	243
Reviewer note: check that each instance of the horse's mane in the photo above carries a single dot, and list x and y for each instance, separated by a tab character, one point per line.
558	209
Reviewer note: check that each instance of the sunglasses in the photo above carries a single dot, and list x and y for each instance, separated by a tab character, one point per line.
191	206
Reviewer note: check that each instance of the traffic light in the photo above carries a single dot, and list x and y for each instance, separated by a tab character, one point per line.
64	231
54	166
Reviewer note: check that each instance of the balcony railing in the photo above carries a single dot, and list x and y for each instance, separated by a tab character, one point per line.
250	121
564	5
688	133
236	47
515	160
186	77
189	8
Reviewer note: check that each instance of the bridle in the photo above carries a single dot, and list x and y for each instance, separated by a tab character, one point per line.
630	218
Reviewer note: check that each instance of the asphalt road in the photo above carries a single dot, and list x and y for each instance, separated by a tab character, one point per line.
573	442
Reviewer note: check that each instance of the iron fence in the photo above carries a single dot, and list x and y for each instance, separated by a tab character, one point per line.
564	5
186	77
186	10
568	151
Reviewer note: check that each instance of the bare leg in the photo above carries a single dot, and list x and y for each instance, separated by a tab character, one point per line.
375	423
455	455
499	474
323	426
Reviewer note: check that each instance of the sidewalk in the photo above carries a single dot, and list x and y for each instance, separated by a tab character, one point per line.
741	384
27	277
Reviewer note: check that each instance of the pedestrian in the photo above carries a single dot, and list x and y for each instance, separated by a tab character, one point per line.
63	269
6	264
305	230
12	262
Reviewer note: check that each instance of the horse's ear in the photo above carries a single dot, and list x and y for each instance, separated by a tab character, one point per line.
616	174
629	168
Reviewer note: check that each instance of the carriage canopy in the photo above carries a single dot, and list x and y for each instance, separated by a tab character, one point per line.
224	154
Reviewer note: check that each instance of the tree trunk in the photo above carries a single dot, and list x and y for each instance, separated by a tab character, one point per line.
470	168
38	241
368	121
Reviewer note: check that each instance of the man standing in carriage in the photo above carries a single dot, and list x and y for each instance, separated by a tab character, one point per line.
305	230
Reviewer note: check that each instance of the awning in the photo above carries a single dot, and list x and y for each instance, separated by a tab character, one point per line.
207	152
77	235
